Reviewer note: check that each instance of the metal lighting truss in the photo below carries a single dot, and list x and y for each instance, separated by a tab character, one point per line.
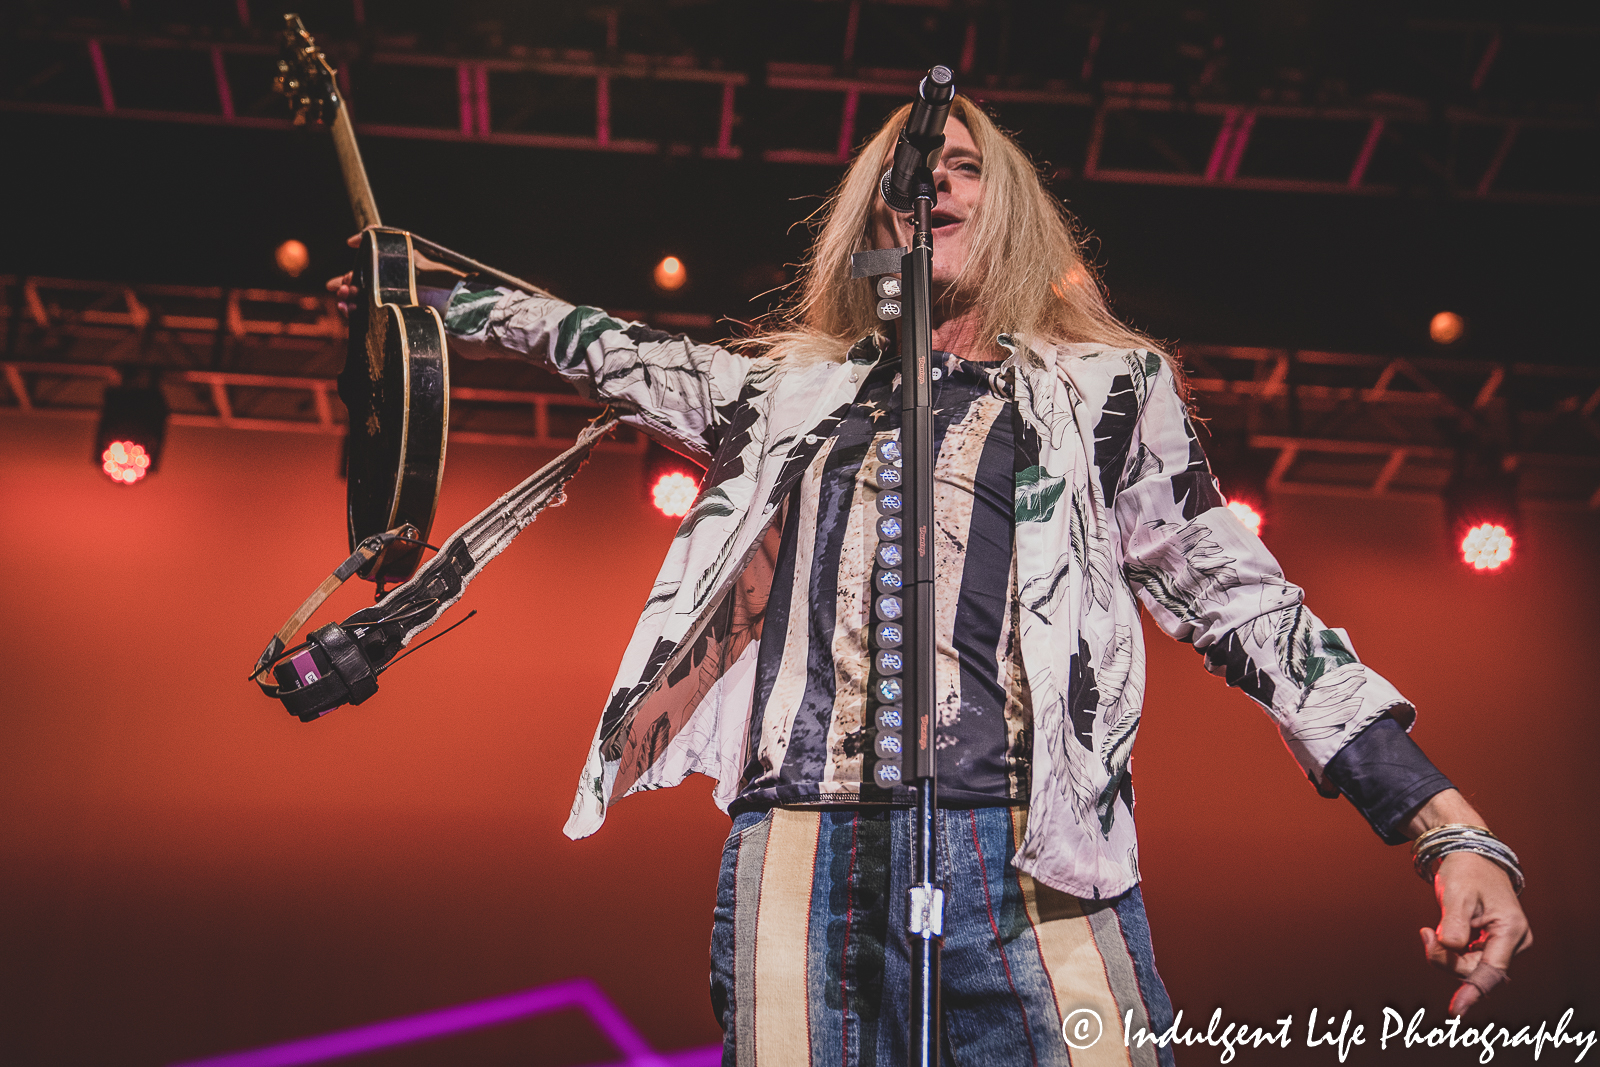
249	359
1333	424
1141	132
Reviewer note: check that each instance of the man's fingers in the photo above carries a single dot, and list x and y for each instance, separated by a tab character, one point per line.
1484	977
1456	907
1443	957
354	240
1503	938
1465	998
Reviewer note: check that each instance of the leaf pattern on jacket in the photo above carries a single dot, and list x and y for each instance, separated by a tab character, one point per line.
1120	785
469	310
622	700
1121	688
1037	493
707	582
1142	370
1036	401
1069	775
1120	685
735	444
1042	593
662	593
1194	487
581	327
1331	654
1083	695
1327	709
1229	658
1203	573
668	371
1292	642
1144	464
713	503
1117	748
1091	552
1114	433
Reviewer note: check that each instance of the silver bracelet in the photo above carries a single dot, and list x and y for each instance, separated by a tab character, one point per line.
1440	841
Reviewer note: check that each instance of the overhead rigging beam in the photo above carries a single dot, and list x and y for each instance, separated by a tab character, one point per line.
1237	123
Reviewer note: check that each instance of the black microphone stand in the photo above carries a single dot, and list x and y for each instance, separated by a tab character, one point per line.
926	925
904	633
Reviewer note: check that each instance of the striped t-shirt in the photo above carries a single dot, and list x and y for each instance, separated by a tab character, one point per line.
811	734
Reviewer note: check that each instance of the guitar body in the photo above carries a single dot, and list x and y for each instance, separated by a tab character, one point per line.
396	387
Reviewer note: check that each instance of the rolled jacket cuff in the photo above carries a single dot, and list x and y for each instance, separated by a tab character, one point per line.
1386	776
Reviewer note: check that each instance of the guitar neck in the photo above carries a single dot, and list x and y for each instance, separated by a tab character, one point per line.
355	172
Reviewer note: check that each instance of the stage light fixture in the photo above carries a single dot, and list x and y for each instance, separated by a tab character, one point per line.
670	274
1481	507
1446	328
293	258
1487	547
132	429
671	482
1241	473
674	493
1246	514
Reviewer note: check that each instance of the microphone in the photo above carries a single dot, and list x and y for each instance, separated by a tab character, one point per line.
921	139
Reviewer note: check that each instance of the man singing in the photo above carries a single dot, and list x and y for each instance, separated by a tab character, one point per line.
1070	489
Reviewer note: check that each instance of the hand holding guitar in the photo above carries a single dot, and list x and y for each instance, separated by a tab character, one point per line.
343	286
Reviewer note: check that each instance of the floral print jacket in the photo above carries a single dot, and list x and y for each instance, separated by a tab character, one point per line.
1115	506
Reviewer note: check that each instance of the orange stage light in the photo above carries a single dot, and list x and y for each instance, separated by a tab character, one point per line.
293	258
1446	328
670	274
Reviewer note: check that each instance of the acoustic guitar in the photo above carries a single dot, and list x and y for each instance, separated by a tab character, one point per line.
396	379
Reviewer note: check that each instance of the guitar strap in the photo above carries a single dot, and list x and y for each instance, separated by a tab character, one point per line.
339	663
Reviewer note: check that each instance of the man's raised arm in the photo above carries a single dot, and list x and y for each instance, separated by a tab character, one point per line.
677	390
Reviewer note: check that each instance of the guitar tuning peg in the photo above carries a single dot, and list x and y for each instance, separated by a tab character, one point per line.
888	308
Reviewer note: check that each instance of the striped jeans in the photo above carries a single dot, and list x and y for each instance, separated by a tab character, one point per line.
810	963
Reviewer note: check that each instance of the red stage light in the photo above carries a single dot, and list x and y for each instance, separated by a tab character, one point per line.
125	462
1247	515
674	493
1487	546
670	274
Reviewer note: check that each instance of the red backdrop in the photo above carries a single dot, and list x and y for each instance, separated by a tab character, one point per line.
188	870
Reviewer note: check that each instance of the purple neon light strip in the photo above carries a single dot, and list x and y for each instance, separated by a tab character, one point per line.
224	91
1219	147
577	993
847	123
480	81
1374	134
464	94
102	76
1241	138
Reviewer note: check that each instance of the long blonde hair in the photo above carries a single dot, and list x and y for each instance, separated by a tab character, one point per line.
1026	270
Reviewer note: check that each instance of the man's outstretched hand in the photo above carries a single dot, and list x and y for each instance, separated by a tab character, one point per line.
343	286
1481	924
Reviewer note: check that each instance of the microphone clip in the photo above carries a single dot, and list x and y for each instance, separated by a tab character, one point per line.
916	153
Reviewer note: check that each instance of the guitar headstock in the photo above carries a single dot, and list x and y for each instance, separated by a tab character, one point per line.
305	77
